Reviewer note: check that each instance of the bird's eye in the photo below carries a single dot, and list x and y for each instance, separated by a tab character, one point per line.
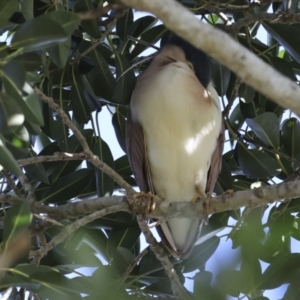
190	65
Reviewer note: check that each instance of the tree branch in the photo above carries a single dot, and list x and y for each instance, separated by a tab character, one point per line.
57	156
223	48
87	151
178	290
166	209
66	231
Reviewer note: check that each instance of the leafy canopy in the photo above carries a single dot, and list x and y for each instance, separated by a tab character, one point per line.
90	64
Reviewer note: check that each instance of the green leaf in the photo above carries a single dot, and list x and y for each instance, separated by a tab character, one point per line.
119	123
58	130
136	29
141	25
266	127
241	183
122	166
13	83
68	187
7	8
7	161
36	171
149	264
90	26
52	283
287	36
66	19
122	258
255	163
280	271
203	288
236	118
248	110
16	220
290	134
80	106
126	238
38	33
101	78
30	61
15	72
71	145
151	36
224	179
221	77
283	67
246	92
118	221
200	254
125	80
105	184
60	53
123	23
11	116
228	281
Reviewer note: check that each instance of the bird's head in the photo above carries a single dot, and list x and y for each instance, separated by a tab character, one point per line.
198	59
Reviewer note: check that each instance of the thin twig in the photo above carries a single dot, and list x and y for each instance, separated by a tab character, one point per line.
58	156
233	96
28	188
49	220
66	231
11	183
99	11
133	264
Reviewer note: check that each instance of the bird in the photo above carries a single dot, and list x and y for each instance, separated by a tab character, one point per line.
175	135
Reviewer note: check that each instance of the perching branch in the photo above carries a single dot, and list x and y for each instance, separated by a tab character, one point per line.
166	209
223	48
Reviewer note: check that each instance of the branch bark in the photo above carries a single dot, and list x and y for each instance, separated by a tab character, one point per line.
166	209
223	48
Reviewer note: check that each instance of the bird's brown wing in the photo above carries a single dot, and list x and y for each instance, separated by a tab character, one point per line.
215	163
136	152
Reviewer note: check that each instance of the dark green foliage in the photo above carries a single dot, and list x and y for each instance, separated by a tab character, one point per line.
50	47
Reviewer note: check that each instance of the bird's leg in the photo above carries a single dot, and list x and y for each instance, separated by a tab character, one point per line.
200	195
147	200
206	204
196	198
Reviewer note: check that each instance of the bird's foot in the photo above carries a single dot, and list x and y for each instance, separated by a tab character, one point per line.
206	205
143	203
196	198
228	192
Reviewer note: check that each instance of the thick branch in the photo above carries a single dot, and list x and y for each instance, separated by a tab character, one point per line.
223	48
165	209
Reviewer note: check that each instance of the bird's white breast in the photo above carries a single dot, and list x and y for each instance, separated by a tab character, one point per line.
181	122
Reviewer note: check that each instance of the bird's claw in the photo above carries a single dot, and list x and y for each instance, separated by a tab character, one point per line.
228	192
195	199
145	200
206	205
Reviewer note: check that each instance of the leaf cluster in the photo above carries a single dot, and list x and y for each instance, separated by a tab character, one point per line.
87	67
